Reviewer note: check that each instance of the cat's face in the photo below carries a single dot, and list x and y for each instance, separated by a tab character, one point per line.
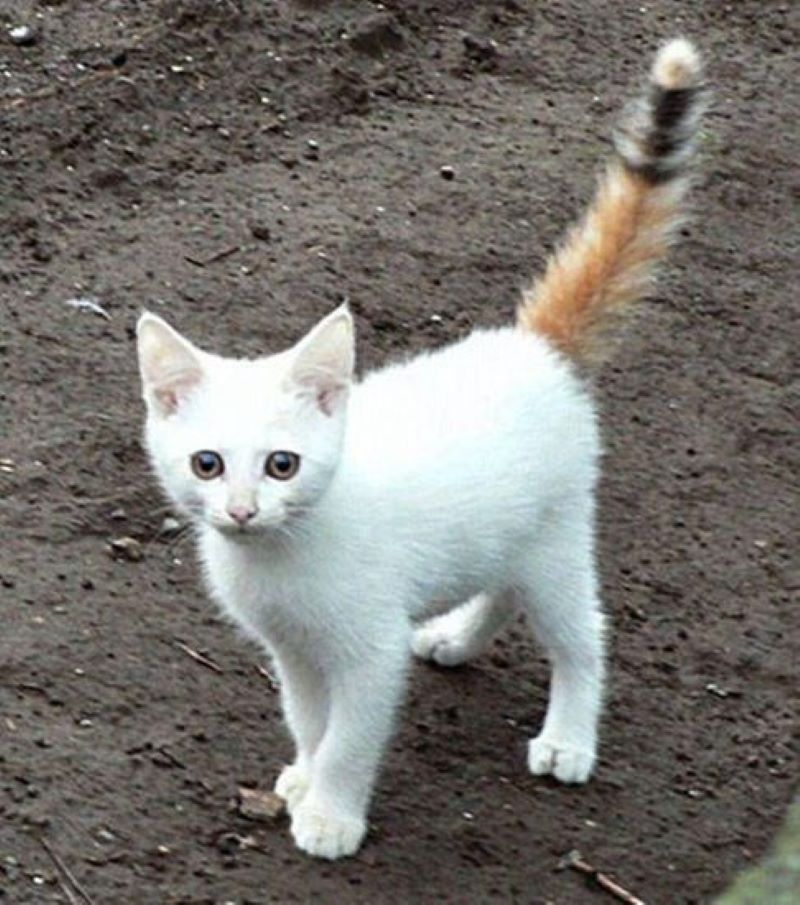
245	446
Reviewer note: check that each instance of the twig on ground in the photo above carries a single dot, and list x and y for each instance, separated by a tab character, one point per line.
219	256
169	756
58	88
199	658
72	898
574	860
67	875
86	303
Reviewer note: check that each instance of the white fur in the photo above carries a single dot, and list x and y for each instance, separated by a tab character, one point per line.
677	65
463	477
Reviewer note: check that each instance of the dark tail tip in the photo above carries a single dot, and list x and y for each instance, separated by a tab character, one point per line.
658	136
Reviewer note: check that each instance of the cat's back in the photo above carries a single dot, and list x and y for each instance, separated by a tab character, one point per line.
491	394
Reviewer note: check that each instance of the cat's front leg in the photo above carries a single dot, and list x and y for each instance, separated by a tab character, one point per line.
304	698
331	820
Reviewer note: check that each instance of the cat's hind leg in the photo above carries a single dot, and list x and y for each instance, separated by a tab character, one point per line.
560	596
463	632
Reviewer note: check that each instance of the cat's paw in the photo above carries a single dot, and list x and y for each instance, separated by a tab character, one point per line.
568	763
326	835
292	785
437	642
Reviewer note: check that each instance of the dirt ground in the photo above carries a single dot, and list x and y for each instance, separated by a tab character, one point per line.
242	167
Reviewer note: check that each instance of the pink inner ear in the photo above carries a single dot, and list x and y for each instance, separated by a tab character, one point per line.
329	397
170	395
325	401
167	399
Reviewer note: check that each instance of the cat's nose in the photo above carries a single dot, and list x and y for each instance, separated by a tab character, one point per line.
242	514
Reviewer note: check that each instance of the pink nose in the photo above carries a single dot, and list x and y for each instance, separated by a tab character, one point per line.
241	514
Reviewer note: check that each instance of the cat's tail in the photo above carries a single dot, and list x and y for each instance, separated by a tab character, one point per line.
608	260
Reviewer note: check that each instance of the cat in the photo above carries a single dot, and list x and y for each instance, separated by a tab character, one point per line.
330	511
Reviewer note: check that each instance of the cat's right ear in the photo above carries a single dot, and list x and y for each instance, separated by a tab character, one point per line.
169	364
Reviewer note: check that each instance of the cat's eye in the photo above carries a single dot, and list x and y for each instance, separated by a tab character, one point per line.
207	465
282	465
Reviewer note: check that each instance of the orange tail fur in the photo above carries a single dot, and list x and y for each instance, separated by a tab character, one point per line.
608	260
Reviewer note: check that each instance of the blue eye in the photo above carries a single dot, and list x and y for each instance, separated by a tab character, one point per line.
207	464
282	465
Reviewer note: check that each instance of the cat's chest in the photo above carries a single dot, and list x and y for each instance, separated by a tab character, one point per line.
268	597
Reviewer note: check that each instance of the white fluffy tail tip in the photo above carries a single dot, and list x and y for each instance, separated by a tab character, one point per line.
677	65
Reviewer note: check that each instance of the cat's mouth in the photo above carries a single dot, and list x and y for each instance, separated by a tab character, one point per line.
232	529
284	519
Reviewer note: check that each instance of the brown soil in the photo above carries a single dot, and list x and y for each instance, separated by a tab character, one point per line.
140	143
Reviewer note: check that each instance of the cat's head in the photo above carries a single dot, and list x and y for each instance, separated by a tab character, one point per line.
245	446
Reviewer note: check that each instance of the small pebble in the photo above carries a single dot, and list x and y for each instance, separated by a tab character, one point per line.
229	843
448	173
257	805
377	34
715	689
260	231
170	526
480	50
126	548
22	35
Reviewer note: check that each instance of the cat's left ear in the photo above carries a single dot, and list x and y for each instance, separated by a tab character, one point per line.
170	365
324	360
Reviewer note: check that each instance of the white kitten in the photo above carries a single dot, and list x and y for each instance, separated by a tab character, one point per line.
331	512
